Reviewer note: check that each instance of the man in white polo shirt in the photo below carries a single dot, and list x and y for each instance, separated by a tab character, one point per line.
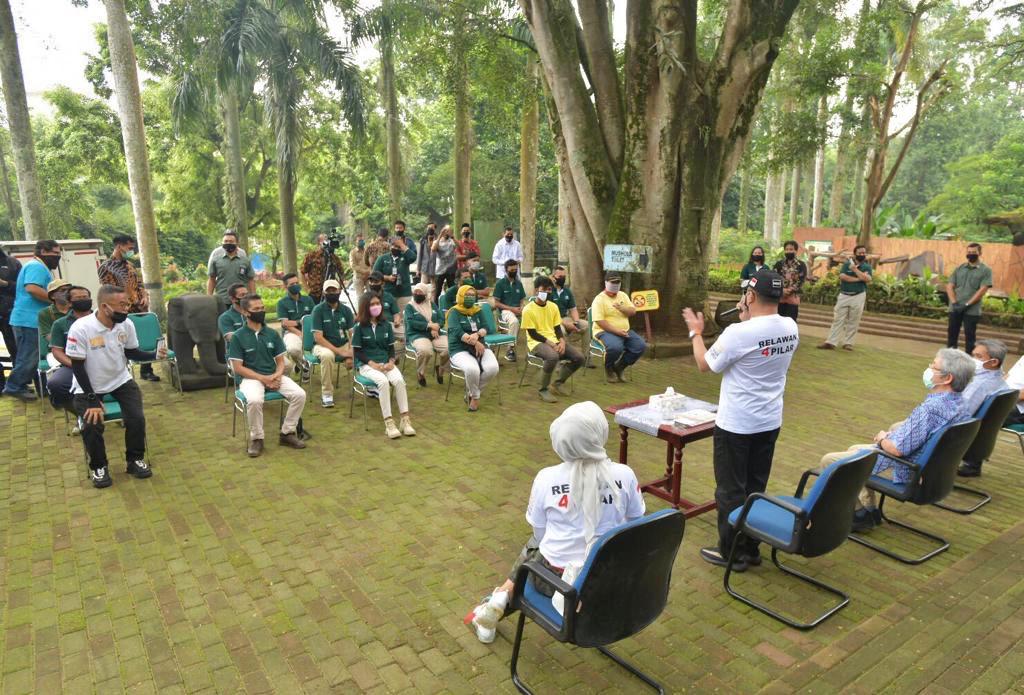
753	357
100	346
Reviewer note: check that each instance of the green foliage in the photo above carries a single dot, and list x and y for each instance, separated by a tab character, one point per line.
889	222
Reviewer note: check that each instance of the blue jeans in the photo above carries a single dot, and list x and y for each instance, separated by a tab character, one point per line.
25	364
629	349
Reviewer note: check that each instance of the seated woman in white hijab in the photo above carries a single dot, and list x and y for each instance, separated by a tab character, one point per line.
571	505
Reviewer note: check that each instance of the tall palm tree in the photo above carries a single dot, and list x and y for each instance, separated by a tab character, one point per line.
288	42
21	128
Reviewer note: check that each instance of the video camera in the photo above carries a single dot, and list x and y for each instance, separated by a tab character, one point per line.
333	241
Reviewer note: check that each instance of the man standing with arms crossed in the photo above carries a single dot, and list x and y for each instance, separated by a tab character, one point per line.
753	358
854	277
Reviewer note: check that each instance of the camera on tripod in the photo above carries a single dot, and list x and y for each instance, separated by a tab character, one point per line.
333	241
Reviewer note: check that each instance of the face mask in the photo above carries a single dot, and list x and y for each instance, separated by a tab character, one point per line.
360	244
51	262
396	252
928	378
81	305
295	289
129	254
467	281
230	248
508	237
419	298
469	300
560	282
612	287
118	316
542	296
790	255
512	273
257	316
474	266
972	258
757	259
465	235
979	366
375	288
375	309
332	297
861	258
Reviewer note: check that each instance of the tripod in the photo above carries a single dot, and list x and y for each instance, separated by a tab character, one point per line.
333	272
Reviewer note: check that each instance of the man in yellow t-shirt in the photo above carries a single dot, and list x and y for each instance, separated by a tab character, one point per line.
542	322
610	312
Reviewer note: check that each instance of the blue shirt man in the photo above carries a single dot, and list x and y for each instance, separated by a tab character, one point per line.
30	298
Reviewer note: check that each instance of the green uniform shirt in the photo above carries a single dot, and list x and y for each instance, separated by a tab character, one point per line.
459	325
509	293
858	287
564	299
59	332
333	323
230	321
387	300
257	351
750	270
373	343
967	280
389	265
226	271
288	307
47	317
479	280
416	324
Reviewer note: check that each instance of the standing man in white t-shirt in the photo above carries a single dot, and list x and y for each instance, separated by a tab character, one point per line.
753	358
100	346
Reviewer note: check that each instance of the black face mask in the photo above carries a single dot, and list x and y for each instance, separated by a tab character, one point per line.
396	252
560	282
81	305
419	298
972	258
332	297
257	316
51	262
465	235
230	248
375	288
861	258
508	237
790	255
512	273
118	316
757	259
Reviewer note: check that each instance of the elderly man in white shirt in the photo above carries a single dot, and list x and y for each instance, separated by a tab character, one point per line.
507	249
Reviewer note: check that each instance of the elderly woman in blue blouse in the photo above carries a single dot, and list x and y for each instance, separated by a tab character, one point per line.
945	379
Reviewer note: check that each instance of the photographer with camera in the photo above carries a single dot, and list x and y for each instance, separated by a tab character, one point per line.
322	263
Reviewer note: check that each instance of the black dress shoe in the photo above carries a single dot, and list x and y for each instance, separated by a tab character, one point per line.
150	376
714	556
968	470
863	520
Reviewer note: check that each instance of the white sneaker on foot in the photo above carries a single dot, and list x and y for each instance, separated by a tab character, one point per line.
485	617
327	401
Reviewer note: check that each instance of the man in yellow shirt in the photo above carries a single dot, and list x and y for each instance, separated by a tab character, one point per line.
610	312
542	322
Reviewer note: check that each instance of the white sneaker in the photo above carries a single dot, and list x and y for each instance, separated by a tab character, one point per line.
391	430
485	617
327	401
406	427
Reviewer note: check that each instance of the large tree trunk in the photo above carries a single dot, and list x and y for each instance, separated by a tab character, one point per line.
129	108
529	142
393	126
21	128
565	221
835	203
716	233
463	127
741	216
794	194
286	195
12	209
819	186
238	215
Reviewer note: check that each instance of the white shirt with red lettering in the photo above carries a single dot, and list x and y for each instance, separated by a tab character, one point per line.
563	541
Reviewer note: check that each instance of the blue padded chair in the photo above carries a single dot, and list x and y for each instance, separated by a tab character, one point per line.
992	412
147	328
622	588
809	526
934	474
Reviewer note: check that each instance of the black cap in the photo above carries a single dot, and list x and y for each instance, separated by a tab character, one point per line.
612	275
766	283
376	275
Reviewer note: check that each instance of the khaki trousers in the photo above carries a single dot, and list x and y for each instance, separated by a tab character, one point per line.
328	367
867	497
293	346
425	348
253	391
846	318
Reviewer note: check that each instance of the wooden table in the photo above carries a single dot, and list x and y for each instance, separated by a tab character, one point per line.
668	487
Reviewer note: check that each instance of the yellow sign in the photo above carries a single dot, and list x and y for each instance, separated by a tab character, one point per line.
645	300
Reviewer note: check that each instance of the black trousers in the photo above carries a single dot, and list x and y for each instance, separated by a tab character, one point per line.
59	385
743	463
12	347
790	310
129	397
1014	418
970	324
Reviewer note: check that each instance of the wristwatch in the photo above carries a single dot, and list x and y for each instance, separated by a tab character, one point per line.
692	334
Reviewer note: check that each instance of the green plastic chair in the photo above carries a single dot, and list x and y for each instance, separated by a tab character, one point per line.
494	339
147	328
42	368
111	413
240	407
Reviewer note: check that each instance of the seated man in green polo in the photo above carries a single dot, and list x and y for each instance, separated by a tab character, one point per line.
290	310
232	319
465	277
566	301
390	309
330	320
257	358
509	296
477	277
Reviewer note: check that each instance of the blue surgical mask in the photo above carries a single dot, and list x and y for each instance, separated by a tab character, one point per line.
928	378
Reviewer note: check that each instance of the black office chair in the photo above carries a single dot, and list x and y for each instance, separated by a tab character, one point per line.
809	526
992	412
933	479
622	588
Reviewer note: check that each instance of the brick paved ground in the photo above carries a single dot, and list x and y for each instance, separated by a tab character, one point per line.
349	566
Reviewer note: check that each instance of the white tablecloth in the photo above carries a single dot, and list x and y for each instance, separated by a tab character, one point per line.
649	420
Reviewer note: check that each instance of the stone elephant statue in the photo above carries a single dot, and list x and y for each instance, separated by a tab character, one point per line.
192	323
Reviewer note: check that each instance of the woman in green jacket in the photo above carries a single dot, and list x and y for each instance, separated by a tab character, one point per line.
466	347
423	333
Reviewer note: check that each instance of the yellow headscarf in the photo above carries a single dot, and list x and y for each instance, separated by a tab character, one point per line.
460	296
